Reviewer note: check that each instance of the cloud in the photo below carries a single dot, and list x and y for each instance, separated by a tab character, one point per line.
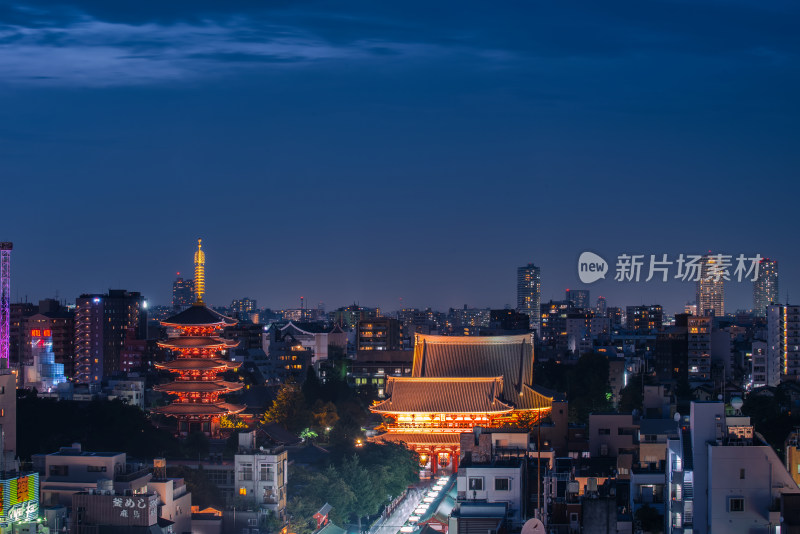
90	52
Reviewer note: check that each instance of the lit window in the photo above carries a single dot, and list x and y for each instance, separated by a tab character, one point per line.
242	491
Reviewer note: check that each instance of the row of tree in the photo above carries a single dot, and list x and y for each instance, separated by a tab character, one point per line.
356	486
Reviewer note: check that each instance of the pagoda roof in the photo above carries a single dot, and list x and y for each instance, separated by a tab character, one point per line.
199	386
477	356
420	438
198	315
197	364
199	409
200	342
443	395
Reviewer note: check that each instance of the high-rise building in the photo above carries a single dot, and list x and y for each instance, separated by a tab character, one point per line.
529	293
765	288
101	325
783	339
644	319
60	322
699	348
182	293
579	298
710	290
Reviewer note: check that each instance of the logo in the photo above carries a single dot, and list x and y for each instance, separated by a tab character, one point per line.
591	267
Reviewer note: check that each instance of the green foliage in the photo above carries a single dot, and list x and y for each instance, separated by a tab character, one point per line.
307	433
585	382
771	417
289	409
356	486
231	421
631	397
324	415
47	424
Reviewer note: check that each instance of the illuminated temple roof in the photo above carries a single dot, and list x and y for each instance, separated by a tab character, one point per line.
198	342
199	409
189	386
197	364
420	438
198	315
509	357
443	395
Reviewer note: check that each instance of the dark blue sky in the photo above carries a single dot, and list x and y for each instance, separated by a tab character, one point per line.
359	151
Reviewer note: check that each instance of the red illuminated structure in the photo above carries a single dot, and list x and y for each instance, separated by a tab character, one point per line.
199	406
458	383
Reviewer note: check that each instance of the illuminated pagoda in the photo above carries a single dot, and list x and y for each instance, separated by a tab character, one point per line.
198	407
458	383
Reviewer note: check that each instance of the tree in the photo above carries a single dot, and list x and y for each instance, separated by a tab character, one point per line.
325	415
631	397
367	493
288	409
196	445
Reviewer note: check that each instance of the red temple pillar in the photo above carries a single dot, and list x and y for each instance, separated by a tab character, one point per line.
434	462
455	462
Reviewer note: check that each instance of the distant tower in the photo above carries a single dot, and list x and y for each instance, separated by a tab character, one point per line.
5	302
529	293
199	272
765	288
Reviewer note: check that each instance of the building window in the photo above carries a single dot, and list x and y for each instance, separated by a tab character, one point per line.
242	491
96	468
736	504
476	483
266	473
502	484
604	431
741	474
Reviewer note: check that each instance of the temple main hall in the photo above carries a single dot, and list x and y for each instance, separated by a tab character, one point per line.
459	383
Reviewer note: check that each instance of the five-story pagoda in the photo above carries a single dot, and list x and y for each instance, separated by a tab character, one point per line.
198	407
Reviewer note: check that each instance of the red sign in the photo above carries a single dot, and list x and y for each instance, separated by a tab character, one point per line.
38	332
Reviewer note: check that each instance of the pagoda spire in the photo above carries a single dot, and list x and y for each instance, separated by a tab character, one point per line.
199	272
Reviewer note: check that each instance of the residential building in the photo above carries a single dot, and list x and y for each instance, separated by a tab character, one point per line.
723	477
242	308
611	434
72	470
699	368
174	499
61	323
710	288
101	326
107	510
262	476
792	448
644	318
529	293
765	365
380	333
765	288
783	339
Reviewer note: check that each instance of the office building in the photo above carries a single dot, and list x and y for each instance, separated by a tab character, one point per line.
600	306
529	293
101	326
765	288
710	290
182	293
579	298
60	322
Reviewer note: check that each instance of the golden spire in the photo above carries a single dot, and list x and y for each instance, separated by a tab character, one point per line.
199	272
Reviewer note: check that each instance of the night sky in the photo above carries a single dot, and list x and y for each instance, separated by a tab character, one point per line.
373	151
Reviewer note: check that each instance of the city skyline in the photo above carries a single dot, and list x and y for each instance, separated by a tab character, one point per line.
419	153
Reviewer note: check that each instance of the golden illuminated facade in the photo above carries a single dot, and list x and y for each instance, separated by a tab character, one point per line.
199	271
199	405
457	384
